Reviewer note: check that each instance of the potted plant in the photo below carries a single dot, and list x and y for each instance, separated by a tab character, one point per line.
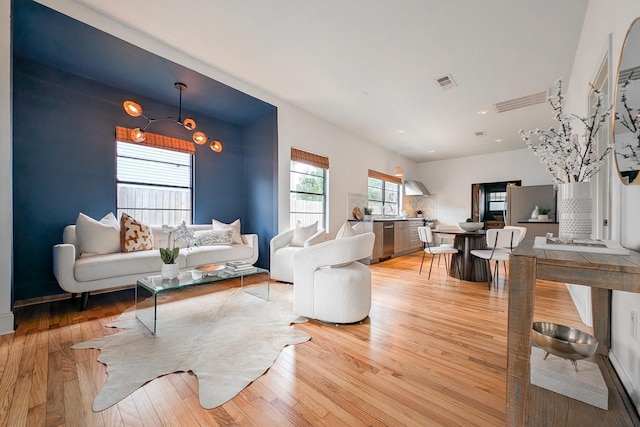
169	255
543	214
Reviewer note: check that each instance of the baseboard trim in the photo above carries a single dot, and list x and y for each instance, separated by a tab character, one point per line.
7	323
625	380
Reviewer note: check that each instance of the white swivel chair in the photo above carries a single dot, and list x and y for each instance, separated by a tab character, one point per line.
500	242
426	237
284	247
329	284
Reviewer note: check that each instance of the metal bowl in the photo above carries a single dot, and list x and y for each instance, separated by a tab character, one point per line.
471	226
563	341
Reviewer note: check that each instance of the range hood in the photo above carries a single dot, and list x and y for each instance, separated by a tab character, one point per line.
415	188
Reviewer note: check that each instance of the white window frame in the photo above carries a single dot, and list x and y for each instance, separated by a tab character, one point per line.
150	186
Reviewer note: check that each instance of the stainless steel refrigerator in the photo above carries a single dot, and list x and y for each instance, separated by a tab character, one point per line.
521	201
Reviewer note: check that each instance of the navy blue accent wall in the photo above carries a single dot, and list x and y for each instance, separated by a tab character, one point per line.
261	181
64	163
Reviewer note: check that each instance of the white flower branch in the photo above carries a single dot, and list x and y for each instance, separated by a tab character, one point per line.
567	157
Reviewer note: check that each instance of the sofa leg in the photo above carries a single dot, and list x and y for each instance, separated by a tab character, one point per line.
84	301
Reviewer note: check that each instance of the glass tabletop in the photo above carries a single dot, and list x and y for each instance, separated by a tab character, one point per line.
189	278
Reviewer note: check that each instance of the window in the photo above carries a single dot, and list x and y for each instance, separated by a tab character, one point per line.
496	200
308	188
154	185
384	193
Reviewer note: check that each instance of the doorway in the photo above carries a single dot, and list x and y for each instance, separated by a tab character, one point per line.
489	202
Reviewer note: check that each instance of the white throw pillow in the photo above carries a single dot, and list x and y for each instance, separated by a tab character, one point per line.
302	233
213	237
235	226
347	230
97	237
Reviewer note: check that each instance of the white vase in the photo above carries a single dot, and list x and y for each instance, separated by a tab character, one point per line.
575	210
534	214
169	271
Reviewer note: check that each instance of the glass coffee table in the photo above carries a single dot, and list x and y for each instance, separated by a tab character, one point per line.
150	288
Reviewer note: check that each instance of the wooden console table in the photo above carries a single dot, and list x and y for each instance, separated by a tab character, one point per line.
532	405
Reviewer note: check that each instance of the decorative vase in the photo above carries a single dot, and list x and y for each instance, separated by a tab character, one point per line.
535	213
169	271
575	210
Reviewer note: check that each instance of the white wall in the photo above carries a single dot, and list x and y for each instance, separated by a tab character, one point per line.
604	17
450	180
6	224
350	158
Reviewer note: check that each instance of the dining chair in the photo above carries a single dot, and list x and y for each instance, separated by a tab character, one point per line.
523	230
500	243
426	236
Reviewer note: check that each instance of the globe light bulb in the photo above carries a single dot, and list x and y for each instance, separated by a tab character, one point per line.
189	124
132	108
199	138
216	146
138	135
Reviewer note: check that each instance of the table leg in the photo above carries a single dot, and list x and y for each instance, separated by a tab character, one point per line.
522	284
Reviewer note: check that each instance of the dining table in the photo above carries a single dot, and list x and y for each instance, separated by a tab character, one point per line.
464	265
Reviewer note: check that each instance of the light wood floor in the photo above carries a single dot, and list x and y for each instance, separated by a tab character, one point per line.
432	352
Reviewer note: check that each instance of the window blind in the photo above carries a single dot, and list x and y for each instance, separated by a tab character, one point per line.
316	160
159	141
384	177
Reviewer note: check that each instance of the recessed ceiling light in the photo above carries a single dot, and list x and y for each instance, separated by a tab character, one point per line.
400	131
498	140
432	151
482	112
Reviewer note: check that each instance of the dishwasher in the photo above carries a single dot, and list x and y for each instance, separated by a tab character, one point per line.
388	239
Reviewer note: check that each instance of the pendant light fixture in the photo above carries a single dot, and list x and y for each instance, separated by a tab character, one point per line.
398	171
134	109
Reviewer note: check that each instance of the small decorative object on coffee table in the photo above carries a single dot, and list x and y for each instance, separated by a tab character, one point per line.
169	256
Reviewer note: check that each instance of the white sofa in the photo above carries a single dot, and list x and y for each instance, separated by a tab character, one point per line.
329	284
281	254
99	272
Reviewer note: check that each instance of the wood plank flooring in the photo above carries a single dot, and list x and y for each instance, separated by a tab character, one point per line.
431	353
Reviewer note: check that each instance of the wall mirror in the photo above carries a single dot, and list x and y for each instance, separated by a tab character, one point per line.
626	129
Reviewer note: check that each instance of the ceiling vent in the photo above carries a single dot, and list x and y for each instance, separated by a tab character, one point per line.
481	133
446	82
523	101
633	72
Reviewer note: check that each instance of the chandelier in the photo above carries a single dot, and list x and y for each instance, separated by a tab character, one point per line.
134	109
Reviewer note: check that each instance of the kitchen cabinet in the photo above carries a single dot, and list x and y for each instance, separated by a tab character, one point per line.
414	240
374	227
401	237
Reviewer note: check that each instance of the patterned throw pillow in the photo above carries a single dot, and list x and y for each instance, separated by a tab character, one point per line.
134	235
235	226
214	237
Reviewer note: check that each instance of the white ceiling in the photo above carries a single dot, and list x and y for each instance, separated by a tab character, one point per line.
370	66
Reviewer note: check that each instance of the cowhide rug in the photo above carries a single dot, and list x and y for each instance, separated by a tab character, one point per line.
226	338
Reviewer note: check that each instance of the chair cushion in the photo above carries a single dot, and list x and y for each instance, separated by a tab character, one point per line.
302	233
203	255
121	264
97	237
498	255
